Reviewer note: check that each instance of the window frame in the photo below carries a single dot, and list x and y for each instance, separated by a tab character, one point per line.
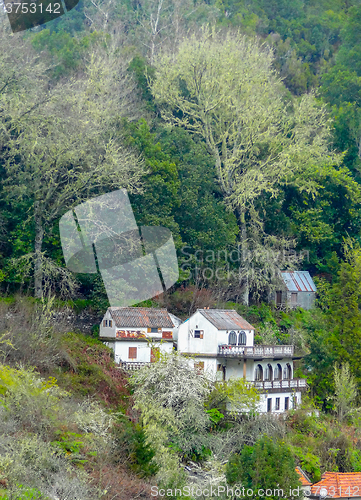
242	336
232	335
268	375
133	350
277	374
260	371
287	372
269	405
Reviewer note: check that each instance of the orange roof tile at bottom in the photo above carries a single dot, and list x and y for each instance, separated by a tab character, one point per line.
302	477
338	485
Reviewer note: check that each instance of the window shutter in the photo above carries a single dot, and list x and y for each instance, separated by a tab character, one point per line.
132	353
103	322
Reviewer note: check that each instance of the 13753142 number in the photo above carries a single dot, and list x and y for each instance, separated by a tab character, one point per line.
32	8
336	492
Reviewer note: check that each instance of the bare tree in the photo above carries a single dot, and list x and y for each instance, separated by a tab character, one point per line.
62	142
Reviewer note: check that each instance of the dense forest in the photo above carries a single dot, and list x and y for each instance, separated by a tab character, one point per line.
237	126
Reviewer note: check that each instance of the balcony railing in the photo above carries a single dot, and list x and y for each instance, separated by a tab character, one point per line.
260	351
295	383
133	365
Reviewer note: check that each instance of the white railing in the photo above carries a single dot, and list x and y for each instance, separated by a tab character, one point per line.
263	351
294	383
132	365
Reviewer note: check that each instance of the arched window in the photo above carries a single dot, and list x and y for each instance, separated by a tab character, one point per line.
268	373
232	338
242	340
258	375
278	372
287	372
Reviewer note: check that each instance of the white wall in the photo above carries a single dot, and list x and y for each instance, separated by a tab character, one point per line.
121	350
212	337
106	331
282	395
283	362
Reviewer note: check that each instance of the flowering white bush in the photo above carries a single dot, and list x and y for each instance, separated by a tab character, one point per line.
170	394
93	419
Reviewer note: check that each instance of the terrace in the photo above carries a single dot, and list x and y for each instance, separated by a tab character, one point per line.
259	351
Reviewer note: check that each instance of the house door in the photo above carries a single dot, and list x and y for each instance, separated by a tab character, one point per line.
278	297
154	354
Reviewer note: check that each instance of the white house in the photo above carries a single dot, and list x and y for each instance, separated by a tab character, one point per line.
136	333
221	343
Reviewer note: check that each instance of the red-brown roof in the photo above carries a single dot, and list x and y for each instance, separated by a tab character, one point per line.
226	319
338	485
143	317
302	477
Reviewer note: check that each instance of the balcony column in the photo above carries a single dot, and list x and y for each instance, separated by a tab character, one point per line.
244	368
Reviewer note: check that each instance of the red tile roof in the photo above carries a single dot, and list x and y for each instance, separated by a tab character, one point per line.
338	485
126	317
302	477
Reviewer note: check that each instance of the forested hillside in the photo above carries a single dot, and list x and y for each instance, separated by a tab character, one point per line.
235	124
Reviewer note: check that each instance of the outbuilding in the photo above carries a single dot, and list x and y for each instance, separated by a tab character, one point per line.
297	290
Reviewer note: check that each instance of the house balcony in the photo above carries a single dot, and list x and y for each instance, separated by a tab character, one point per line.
258	351
132	365
281	385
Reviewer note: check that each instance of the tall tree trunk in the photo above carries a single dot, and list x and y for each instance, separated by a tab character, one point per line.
38	264
244	249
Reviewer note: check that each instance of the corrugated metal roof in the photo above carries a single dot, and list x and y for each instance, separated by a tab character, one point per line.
143	317
298	281
338	485
226	319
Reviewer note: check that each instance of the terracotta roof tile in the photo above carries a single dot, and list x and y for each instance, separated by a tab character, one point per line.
339	485
143	317
302	477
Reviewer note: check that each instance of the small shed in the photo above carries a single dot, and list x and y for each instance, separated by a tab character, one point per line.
297	290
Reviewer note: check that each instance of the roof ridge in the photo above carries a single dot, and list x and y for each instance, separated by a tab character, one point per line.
203	309
139	308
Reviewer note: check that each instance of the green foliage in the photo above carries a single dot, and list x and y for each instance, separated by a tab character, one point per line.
267	464
132	446
309	463
27	494
238	396
68	442
157	204
67	52
90	371
345	391
215	416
